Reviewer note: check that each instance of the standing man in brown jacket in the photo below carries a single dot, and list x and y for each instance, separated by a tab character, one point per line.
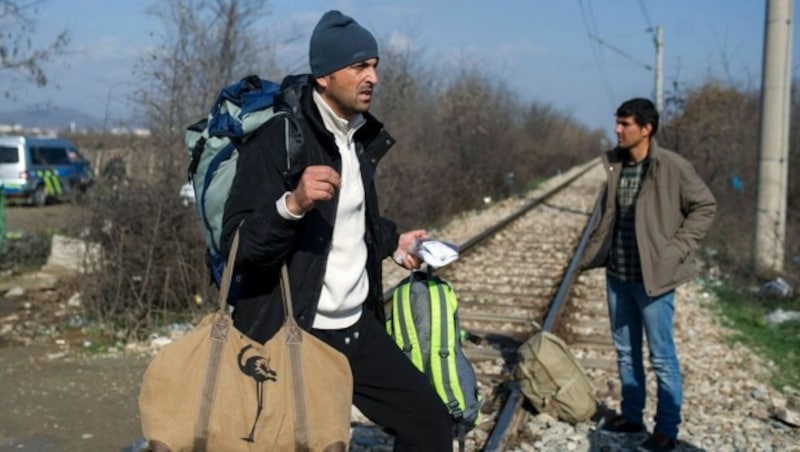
656	209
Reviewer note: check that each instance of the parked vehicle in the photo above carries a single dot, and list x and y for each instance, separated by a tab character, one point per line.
40	170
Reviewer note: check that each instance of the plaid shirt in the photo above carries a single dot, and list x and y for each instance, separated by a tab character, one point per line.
624	261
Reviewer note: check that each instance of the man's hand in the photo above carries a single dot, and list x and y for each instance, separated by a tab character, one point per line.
318	183
405	254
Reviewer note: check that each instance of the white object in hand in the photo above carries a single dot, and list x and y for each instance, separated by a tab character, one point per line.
436	253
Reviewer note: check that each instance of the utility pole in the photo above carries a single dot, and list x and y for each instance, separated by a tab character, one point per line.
659	94
773	167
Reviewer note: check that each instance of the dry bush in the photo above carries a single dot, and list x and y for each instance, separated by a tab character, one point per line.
551	142
154	267
477	120
792	249
154	262
403	102
717	130
463	139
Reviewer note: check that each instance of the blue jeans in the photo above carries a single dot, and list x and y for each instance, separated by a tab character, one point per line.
630	309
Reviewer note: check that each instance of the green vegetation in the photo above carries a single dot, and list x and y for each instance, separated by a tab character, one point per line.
535	183
746	313
90	339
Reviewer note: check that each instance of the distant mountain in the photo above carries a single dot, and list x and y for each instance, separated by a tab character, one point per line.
51	118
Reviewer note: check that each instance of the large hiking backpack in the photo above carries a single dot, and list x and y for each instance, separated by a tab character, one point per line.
553	380
424	324
212	143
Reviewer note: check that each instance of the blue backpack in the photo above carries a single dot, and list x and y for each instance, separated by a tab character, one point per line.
212	143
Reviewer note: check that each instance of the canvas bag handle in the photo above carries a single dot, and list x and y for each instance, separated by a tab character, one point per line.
293	337
227	277
218	335
227	274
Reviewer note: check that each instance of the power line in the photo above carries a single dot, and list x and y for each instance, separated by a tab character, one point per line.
621	53
646	16
593	34
596	51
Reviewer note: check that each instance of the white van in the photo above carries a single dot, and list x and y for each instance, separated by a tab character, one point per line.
39	170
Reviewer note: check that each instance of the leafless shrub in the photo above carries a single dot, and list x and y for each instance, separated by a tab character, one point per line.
464	138
153	264
793	196
155	257
717	129
404	101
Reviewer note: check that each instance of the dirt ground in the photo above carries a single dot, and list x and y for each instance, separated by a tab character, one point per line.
53	397
56	402
30	219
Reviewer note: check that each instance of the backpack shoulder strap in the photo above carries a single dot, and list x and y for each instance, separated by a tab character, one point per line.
444	338
404	330
291	92
287	104
197	150
293	144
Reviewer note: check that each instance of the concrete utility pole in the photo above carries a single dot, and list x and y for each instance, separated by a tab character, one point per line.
659	94
773	165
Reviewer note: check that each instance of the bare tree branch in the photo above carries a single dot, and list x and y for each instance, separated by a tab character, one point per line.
18	55
206	44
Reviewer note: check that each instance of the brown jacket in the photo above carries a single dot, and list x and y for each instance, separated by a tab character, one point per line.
674	211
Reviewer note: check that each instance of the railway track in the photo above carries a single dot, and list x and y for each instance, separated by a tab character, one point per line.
507	285
515	255
509	271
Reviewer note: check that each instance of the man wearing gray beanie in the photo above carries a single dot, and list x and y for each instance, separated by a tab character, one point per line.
339	41
326	225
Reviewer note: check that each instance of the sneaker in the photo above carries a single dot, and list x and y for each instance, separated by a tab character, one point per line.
619	424
657	442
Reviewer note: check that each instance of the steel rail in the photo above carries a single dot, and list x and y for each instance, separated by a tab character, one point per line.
499	434
557	304
505	418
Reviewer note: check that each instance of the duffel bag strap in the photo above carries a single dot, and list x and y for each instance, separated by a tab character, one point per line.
219	333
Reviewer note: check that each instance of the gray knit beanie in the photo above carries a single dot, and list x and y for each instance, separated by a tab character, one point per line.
339	41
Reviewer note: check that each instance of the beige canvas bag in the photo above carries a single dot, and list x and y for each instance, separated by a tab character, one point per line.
553	380
214	389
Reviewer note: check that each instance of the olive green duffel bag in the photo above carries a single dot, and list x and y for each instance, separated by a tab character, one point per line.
553	380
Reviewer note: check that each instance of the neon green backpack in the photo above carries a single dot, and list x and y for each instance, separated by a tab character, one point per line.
424	324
